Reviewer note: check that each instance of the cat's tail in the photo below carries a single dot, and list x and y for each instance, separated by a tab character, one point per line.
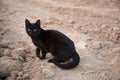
75	61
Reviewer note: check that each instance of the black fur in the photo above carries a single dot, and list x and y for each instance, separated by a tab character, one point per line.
59	45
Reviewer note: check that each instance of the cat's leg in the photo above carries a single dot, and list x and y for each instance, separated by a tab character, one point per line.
38	52
44	52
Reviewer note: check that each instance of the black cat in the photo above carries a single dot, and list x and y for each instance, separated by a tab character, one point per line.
59	45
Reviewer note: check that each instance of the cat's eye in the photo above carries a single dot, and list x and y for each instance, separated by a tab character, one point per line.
28	29
34	30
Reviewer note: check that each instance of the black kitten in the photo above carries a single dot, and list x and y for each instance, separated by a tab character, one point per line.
59	45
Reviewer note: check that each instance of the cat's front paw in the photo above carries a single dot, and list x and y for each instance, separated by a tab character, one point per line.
42	58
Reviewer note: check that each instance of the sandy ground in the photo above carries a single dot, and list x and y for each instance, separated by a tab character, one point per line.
93	25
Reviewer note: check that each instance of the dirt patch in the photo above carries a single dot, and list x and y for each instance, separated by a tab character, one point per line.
93	25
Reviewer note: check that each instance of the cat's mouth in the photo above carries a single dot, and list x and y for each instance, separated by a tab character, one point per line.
33	36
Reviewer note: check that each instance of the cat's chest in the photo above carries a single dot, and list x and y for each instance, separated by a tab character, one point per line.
38	43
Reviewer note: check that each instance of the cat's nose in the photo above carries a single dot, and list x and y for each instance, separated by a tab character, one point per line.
30	32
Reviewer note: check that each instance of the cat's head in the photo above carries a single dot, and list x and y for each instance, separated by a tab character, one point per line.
33	29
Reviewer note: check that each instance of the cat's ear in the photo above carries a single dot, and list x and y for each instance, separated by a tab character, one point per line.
27	22
38	23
